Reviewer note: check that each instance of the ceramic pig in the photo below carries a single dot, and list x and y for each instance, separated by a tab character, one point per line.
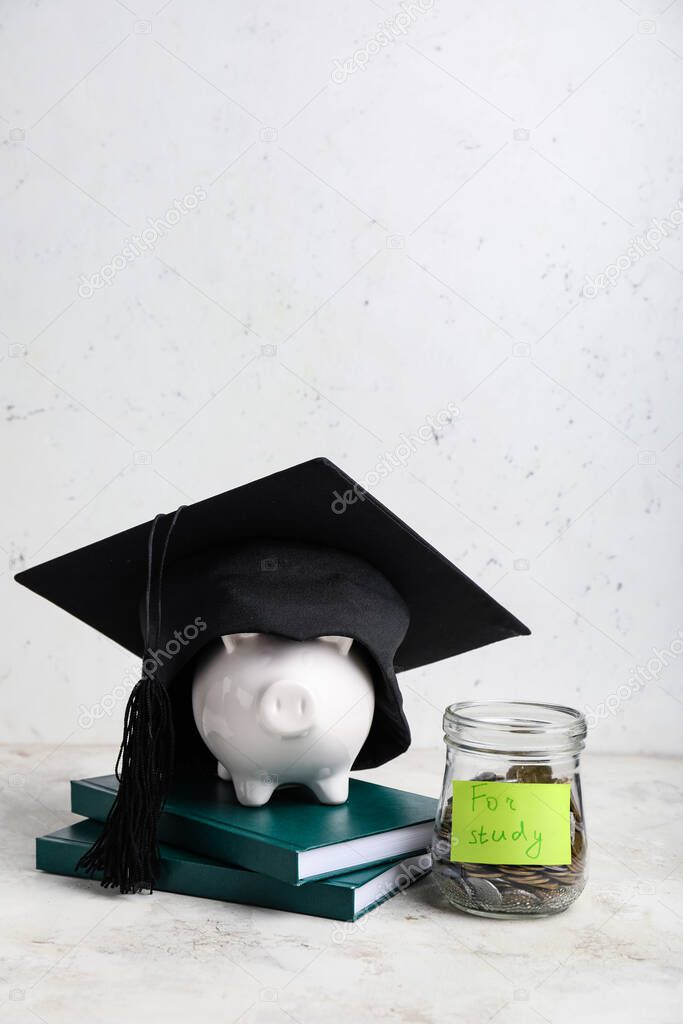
274	711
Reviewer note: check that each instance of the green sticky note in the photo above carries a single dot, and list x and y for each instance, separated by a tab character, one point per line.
511	823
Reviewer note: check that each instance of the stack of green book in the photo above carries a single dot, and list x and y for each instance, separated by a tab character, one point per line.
293	854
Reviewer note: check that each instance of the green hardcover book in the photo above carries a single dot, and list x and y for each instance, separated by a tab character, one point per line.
343	898
293	838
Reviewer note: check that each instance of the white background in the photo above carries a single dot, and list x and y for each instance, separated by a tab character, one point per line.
368	251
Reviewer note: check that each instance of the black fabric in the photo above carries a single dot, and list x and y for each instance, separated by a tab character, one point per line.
301	553
313	503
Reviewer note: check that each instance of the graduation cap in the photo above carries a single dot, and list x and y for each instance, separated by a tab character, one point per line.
302	553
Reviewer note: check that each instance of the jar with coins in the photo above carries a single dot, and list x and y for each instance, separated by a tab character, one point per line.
510	832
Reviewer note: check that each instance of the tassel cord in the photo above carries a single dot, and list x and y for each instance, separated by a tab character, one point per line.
126	853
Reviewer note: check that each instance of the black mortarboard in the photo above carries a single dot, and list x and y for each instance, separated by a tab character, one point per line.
301	553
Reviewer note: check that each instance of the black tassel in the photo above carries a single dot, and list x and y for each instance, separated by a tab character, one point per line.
127	851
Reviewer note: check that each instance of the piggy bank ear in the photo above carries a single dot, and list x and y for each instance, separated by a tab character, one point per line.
230	642
342	643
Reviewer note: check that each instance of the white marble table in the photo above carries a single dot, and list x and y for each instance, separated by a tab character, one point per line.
70	951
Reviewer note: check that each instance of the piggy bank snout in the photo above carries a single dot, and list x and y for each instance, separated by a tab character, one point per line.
287	709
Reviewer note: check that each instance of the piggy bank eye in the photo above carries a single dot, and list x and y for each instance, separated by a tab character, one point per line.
342	643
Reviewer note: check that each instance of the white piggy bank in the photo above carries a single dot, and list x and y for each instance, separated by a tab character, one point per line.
274	711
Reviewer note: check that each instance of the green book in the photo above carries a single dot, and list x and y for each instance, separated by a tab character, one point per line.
344	898
293	838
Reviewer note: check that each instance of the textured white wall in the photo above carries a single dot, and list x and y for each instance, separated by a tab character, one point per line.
389	220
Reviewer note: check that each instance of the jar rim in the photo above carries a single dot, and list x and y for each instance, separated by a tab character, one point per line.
485	724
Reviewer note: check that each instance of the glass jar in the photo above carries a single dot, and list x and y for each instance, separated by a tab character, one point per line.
516	844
